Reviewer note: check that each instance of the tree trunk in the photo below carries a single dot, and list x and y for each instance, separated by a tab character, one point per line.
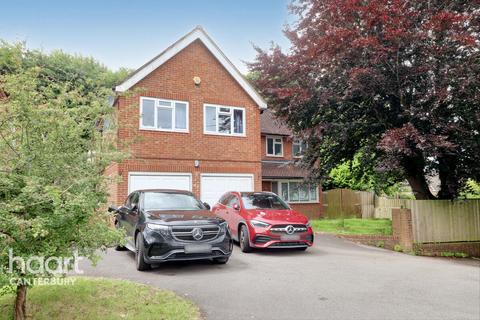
20	302
420	188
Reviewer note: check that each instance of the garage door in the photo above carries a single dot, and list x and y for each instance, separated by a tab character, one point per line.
213	186
148	180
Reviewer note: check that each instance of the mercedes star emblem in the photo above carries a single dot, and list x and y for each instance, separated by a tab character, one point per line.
197	234
290	229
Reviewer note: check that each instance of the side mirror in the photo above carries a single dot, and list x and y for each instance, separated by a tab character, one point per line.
236	206
206	205
112	209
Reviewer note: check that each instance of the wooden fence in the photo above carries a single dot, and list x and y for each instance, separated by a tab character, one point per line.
432	220
346	203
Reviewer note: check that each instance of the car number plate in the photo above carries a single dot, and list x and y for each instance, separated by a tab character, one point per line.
290	237
198	248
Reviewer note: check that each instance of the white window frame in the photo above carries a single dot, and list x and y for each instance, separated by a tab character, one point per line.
280	181
155	120
266	146
298	142
217	111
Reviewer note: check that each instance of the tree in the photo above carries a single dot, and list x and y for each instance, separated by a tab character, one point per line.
52	156
398	80
351	174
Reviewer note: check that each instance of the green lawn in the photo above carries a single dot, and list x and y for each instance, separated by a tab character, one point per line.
353	226
102	299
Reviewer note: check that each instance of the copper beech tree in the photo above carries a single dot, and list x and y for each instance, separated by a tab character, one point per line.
395	81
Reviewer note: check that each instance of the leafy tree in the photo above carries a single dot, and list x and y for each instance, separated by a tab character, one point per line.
52	155
351	174
398	80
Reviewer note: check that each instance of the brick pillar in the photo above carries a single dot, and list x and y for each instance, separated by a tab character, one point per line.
402	227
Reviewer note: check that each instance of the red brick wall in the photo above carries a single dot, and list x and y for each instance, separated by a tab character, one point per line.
176	152
112	174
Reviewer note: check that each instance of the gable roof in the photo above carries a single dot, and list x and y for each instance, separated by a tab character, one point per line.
272	125
196	34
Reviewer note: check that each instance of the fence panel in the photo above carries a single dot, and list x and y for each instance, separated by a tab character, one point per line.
445	220
345	203
384	206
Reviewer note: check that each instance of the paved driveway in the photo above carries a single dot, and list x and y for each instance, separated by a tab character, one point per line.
335	279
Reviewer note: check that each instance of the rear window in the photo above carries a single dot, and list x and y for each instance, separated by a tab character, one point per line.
171	201
263	201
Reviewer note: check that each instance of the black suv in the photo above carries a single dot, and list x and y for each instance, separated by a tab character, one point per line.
166	225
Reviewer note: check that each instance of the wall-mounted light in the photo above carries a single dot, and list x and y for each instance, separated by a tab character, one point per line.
197	80
196	163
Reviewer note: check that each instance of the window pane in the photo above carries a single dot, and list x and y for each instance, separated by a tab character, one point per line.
269	146
313	193
224	123
180	115
275	187
293	191
227	110
164	118
148	113
278	149
296	149
211	119
237	121
164	103
303	192
284	191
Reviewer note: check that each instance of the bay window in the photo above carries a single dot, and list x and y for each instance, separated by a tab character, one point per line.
163	115
224	120
295	191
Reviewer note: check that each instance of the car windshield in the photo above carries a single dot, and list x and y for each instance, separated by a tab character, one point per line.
263	201
171	201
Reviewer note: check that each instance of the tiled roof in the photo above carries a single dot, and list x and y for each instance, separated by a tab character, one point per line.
271	125
282	169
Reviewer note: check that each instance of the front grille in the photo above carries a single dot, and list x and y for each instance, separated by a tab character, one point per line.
288	244
261	239
182	255
282	228
186	233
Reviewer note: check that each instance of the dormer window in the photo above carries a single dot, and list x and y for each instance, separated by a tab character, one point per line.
274	146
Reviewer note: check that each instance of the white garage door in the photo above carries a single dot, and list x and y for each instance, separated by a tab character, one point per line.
213	186
150	180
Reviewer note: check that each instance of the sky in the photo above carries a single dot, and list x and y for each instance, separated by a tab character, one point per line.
129	33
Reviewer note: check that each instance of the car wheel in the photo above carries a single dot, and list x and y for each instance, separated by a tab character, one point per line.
220	260
119	247
139	253
244	239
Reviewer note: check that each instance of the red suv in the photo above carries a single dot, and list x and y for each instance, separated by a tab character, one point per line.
263	220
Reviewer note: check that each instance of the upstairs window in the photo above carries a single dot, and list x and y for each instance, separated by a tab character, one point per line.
274	146
298	148
163	115
224	120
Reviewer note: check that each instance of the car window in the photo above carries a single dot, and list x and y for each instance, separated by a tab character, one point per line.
226	198
171	201
232	200
134	200
263	201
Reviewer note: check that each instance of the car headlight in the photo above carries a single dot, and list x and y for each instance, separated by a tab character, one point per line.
158	227
223	225
308	224
258	224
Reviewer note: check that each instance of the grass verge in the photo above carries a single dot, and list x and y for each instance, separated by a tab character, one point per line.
91	298
353	226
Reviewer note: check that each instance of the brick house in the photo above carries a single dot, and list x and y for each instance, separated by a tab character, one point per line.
195	121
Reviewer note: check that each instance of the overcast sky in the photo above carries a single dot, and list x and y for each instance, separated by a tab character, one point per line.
127	34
